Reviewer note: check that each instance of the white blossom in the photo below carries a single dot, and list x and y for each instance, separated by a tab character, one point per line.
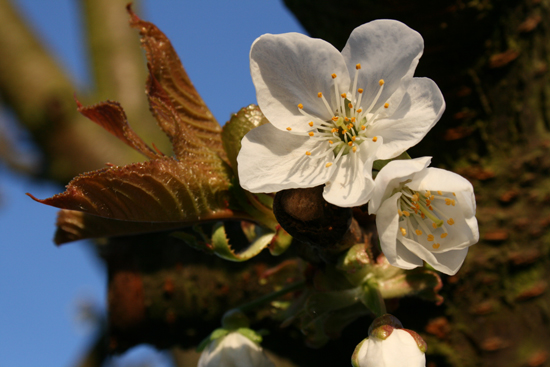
398	350
234	350
424	214
332	114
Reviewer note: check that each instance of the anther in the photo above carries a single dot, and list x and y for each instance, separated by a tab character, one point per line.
415	198
434	225
346	120
353	138
310	123
430	237
451	221
381	82
343	95
354	149
330	142
386	105
350	143
334	130
334	118
448	201
359	110
328	164
443	235
427	194
418	232
374	139
358	66
406	213
436	246
453	202
432	197
320	95
363	127
403	231
399	212
454	194
333	76
300	106
289	128
439	193
350	105
308	153
311	133
353	119
360	90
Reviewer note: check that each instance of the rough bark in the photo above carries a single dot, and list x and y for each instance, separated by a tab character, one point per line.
490	59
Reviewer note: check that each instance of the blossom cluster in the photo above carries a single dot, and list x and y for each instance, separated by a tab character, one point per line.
333	114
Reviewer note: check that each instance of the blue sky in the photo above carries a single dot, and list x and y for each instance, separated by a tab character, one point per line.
41	285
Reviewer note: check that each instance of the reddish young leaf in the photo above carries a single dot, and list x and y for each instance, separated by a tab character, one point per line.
73	225
111	117
165	66
162	190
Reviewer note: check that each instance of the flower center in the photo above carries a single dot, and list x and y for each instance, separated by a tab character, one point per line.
348	127
421	216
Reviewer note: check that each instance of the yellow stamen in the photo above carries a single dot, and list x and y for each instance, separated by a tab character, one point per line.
310	123
350	143
328	164
443	235
308	153
451	221
415	198
346	120
350	105
334	130
319	94
311	133
386	105
418	232
353	138
439	193
300	106
432	197
428	194
354	149
360	90
381	82
289	128
406	213
330	142
436	246
333	76
374	139
448	201
453	202
403	231
353	119
454	194
360	110
363	127
434	225
428	202
343	95
335	119
399	212
358	66
430	237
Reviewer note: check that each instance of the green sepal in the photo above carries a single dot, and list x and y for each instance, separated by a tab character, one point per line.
222	248
216	334
256	337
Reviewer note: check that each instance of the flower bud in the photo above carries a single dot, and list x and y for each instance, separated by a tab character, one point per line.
234	349
389	345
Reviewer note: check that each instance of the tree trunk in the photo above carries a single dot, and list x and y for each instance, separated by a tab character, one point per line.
490	59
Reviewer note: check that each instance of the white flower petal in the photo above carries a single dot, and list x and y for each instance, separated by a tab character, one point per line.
386	49
434	179
292	68
420	109
391	175
233	350
398	350
272	160
446	262
387	223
